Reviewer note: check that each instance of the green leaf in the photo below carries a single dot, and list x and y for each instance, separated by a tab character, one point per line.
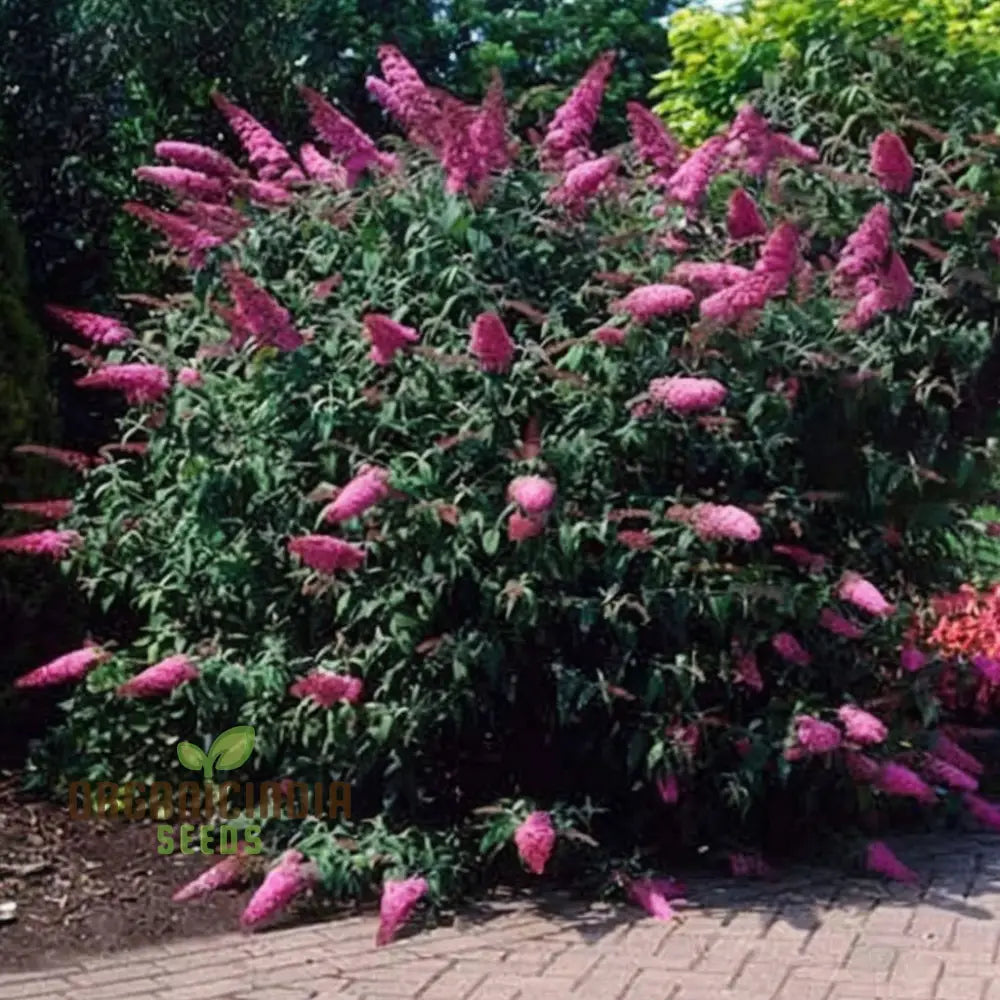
190	756
232	748
491	541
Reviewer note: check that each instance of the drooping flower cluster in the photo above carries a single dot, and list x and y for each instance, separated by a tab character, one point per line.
535	839
327	689
63	669
54	544
141	383
567	138
327	554
257	314
103	330
161	679
291	877
399	900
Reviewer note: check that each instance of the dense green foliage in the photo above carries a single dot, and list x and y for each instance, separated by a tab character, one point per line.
563	670
716	59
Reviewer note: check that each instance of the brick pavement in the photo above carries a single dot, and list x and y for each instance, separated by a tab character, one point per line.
812	935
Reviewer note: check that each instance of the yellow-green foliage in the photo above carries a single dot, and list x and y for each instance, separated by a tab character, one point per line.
718	57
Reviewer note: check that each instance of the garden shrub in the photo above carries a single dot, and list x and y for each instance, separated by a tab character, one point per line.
718	58
512	487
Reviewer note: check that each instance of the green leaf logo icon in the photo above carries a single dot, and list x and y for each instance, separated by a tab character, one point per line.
230	750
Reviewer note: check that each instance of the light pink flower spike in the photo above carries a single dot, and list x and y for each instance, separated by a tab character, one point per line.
365	490
688	395
326	554
189	377
689	182
196	157
574	120
535	839
714	521
105	330
54	544
861	726
879	858
891	163
399	899
858	591
72	666
289	879
185	183
387	336
654	895
521	527
648	302
160	679
491	345
326	689
652	138
743	218
230	871
815	736
533	494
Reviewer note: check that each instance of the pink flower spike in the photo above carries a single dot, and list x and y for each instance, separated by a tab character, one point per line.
387	336
707	277
836	623
896	779
880	859
282	884
193	156
648	302
779	258
533	494
858	591
655	145
731	304
326	554
749	866
161	679
268	157
712	522
912	659
891	163
399	899
669	789
72	666
609	336
183	235
51	510
54	544
322	170
327	689
743	218
861	768
185	183
789	648
574	120
521	527
140	383
189	377
259	314
689	182
688	395
76	460
815	736
947	750
811	561
940	772
365	490
988	813
491	345
861	727
535	839
230	871
104	330
654	895
748	672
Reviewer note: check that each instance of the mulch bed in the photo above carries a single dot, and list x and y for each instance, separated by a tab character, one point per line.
92	887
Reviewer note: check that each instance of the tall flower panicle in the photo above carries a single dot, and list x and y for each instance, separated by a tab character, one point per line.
77	460
490	344
789	648
949	751
743	218
574	120
327	689
399	899
260	313
647	302
185	183
687	395
104	330
836	623
54	544
987	813
50	510
535	839
942	773
652	139
864	595
689	182
230	871
387	336
488	130
879	858
891	163
410	99
268	194
706	277
290	878
534	495
654	895
814	736
182	234
779	257
737	301
348	143
580	184
367	488
327	554
218	220
723	521
160	679
320	169
897	779
193	156
865	250
268	157
63	669
141	383
752	145
861	726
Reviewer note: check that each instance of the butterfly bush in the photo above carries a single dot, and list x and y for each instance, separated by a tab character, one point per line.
560	500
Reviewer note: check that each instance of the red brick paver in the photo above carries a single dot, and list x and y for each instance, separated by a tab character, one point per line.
812	935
